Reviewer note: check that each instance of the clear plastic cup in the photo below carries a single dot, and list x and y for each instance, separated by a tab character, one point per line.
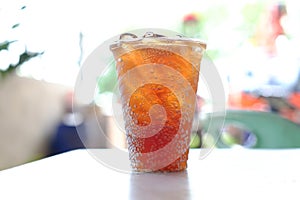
158	78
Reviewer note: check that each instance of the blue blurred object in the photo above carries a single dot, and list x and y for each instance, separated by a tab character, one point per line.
66	137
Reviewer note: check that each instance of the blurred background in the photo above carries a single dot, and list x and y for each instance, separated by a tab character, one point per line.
254	44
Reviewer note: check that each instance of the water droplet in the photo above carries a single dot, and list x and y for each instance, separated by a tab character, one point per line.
197	49
149	34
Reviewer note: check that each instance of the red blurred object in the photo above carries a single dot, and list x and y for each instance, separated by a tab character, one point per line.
294	100
190	18
246	101
270	28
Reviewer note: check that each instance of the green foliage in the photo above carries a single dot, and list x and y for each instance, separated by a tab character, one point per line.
15	25
251	16
221	23
24	57
4	45
215	16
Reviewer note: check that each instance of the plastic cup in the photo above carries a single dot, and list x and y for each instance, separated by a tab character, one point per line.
157	79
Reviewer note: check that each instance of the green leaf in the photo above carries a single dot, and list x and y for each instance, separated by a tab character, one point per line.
4	45
24	57
15	25
4	73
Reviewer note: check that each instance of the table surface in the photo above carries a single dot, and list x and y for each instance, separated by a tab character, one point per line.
222	174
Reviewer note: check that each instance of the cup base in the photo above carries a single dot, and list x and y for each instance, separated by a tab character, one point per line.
178	165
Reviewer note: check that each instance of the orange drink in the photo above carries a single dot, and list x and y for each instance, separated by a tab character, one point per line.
158	78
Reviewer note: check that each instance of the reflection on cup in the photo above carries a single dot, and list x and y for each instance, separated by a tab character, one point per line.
158	78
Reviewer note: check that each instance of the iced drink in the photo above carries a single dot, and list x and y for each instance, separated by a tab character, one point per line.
158	78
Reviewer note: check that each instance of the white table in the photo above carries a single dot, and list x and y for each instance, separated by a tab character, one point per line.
223	174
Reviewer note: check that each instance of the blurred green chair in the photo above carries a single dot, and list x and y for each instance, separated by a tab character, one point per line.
251	129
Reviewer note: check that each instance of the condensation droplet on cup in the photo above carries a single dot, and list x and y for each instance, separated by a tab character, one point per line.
149	34
197	49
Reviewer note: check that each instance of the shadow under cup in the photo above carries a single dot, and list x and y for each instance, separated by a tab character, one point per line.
158	78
